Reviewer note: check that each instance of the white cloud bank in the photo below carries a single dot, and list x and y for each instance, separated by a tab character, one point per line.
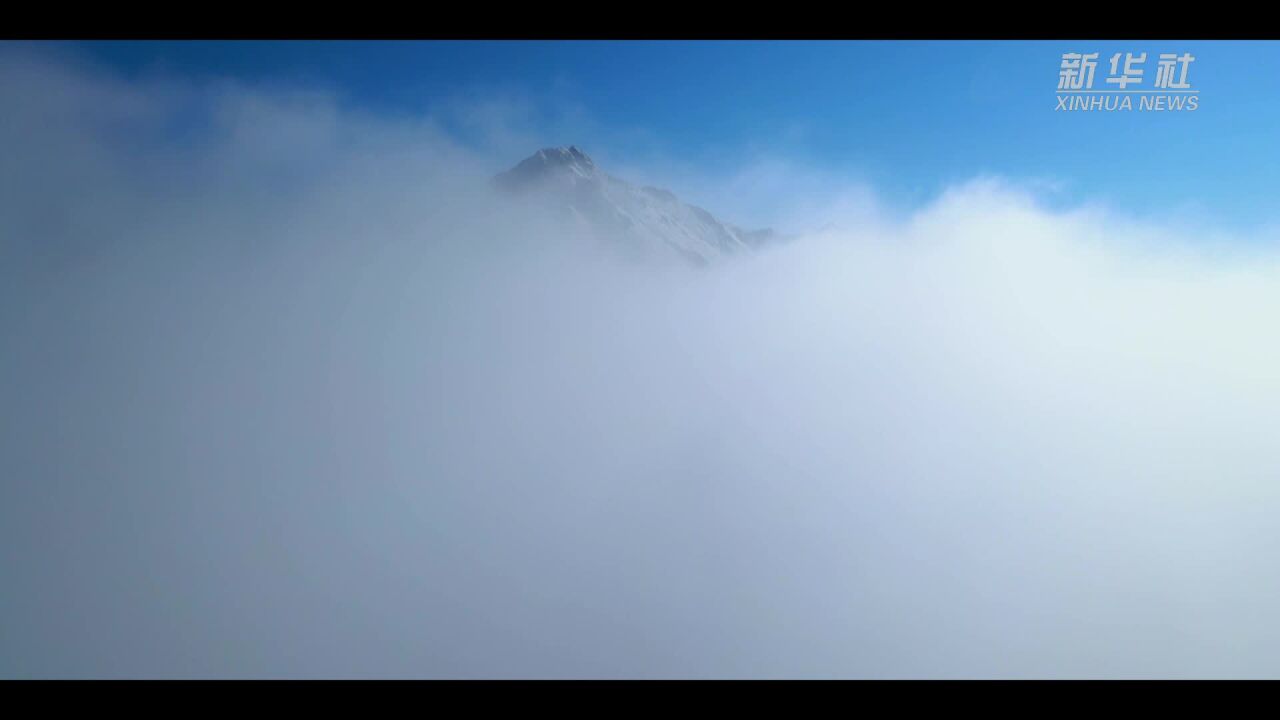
287	394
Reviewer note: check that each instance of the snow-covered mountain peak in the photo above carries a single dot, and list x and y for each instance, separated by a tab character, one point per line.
549	162
642	219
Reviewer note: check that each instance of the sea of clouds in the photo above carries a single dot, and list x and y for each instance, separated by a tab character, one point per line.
287	391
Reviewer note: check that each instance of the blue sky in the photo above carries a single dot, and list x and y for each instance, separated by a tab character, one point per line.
909	117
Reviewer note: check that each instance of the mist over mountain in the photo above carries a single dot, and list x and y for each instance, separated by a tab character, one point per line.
296	391
639	221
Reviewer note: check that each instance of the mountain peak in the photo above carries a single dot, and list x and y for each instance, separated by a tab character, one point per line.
549	161
569	156
640	217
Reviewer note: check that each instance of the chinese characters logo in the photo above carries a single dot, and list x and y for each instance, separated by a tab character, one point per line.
1169	88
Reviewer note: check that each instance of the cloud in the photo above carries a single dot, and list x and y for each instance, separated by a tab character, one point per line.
288	393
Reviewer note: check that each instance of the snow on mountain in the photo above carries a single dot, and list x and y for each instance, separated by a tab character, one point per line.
647	219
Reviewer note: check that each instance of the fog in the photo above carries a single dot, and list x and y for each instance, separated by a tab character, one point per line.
287	392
